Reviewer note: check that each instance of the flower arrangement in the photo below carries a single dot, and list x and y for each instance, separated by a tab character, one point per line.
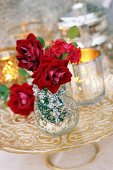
49	67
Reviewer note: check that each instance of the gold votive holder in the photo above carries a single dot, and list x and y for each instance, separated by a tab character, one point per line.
87	82
8	66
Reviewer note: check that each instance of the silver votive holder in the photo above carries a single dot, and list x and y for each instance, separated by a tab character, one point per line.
87	82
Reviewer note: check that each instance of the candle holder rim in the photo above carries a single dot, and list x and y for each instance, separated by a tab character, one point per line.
7	49
95	57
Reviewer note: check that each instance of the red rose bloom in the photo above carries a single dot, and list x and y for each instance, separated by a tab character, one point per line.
52	74
57	49
21	99
74	54
29	52
60	47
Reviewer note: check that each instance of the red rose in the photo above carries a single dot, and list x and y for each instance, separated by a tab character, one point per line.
60	47
74	54
52	74
29	52
57	49
21	99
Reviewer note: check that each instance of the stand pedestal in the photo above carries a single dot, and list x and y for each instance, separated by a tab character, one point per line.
55	166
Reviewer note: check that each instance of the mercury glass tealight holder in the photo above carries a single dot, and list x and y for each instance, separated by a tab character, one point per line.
8	66
87	82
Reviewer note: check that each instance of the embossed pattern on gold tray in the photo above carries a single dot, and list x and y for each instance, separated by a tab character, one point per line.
20	135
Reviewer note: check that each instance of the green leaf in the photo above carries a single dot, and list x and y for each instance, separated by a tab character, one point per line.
47	47
3	88
4	92
5	97
64	56
41	40
28	76
24	73
73	32
75	44
45	90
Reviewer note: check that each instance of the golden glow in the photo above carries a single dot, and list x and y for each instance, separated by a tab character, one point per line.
89	54
9	71
8	66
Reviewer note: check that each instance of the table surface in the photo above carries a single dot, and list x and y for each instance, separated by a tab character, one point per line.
103	161
20	135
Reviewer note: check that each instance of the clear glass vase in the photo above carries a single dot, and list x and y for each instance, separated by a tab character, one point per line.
56	114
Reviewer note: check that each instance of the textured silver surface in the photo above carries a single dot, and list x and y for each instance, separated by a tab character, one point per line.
58	114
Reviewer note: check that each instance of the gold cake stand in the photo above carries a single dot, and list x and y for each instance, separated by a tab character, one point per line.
20	135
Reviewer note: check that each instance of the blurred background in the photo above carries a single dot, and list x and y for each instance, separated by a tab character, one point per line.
50	20
43	17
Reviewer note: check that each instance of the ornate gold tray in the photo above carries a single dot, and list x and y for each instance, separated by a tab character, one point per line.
20	135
